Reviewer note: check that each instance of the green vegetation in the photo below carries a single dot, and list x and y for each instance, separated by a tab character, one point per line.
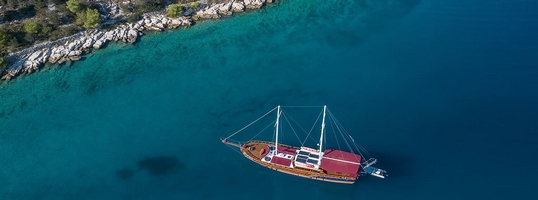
32	27
3	63
27	22
74	6
88	19
92	19
194	5
174	10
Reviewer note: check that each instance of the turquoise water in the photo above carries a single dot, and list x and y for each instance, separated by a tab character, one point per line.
441	92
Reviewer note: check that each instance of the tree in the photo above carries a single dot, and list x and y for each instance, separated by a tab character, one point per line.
81	17
74	6
174	10
4	37
92	18
54	18
3	63
32	27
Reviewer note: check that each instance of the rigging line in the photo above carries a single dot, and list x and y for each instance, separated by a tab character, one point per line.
296	123
312	128
234	149
357	146
286	118
251	123
341	133
308	133
301	106
333	124
263	129
334	133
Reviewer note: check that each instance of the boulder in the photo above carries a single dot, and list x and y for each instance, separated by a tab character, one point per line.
35	55
238	6
225	9
174	23
30	66
88	44
132	35
254	4
208	13
98	44
74	55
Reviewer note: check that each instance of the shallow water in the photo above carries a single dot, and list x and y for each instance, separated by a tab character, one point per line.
441	92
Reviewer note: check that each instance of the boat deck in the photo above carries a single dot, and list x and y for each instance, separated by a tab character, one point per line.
341	162
257	150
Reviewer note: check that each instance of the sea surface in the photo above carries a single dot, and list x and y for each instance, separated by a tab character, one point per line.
444	93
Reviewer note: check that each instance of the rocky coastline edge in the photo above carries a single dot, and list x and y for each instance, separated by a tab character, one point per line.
72	48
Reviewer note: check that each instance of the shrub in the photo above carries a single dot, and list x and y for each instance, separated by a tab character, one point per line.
81	17
3	64
4	37
194	5
74	6
174	10
92	19
32	27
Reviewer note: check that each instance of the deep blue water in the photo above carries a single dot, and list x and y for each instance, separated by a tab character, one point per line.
442	92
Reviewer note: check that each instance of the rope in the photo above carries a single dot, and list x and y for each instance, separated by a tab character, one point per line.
250	123
358	147
286	118
263	129
312	128
301	106
333	124
339	128
234	149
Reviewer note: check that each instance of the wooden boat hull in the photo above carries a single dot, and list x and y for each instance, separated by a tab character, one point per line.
251	150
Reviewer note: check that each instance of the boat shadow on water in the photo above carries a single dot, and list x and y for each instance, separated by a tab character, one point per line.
155	166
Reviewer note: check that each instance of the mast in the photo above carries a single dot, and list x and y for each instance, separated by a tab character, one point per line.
276	125
322	130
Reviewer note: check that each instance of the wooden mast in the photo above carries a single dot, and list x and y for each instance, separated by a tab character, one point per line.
276	125
322	131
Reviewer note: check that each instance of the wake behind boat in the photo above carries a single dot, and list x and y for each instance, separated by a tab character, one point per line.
324	164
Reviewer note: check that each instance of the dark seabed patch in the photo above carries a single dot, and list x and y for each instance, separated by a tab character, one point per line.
155	166
125	173
160	165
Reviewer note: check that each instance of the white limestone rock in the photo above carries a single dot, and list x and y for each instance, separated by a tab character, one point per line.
225	8
35	55
30	66
208	13
174	23
98	44
74	55
89	43
254	4
132	35
238	6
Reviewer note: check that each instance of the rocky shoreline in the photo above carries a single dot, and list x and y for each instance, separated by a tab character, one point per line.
72	48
